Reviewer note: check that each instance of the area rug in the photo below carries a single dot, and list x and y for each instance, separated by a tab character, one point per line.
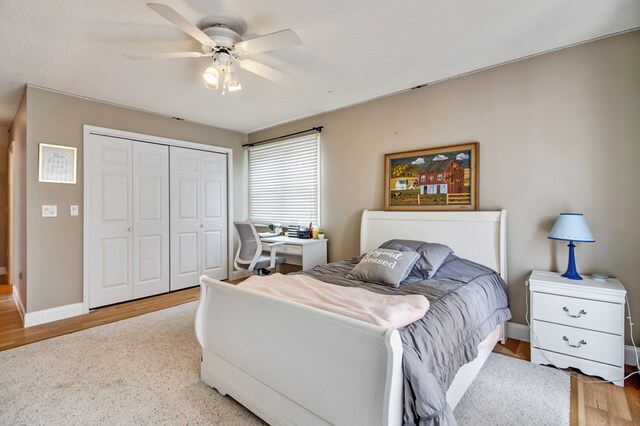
509	391
145	370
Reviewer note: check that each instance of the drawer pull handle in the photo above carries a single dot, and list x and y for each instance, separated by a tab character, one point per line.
580	343
581	313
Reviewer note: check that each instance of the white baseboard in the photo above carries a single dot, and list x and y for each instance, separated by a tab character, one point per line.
518	331
53	314
3	270
19	304
630	355
521	332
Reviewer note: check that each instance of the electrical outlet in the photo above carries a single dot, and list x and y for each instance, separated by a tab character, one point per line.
73	210
49	211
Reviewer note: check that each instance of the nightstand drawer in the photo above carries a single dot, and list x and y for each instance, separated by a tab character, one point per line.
584	313
576	342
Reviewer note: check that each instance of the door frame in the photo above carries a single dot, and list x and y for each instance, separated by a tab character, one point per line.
11	202
140	137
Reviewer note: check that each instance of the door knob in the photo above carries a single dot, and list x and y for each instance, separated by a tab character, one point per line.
129	229
201	226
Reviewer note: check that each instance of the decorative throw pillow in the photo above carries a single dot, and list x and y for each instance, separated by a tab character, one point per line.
432	255
384	266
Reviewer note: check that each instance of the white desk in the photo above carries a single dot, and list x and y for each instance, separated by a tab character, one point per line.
298	251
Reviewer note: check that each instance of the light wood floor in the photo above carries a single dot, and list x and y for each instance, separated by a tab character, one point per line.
12	333
591	404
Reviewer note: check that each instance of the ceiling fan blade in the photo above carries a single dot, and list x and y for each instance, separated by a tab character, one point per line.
273	41
179	21
166	55
266	72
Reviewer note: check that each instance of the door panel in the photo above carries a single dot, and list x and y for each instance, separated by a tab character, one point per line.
188	198
212	206
198	216
116	194
110	241
188	250
115	155
213	256
187	163
185	221
150	256
214	164
115	251
214	215
150	219
150	197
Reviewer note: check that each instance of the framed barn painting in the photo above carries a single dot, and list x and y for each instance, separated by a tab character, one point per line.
444	178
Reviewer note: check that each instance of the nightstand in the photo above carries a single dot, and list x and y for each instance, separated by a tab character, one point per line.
578	324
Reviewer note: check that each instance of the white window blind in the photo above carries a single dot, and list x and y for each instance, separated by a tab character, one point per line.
284	182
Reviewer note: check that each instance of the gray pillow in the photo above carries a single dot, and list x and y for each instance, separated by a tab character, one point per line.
432	255
384	266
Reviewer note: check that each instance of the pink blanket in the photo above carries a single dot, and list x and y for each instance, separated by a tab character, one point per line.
383	310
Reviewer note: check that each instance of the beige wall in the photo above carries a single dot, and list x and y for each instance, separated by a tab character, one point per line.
18	136
558	132
55	245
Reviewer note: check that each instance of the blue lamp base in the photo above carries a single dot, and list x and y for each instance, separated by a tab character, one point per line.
572	273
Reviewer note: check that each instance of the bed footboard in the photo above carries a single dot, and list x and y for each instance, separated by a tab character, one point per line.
294	364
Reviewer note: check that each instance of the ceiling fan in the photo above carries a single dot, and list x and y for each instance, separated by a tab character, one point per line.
221	40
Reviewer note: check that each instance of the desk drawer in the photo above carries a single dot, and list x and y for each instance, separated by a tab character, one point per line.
584	313
587	344
289	249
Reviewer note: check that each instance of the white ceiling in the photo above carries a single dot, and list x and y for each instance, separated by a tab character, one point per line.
353	51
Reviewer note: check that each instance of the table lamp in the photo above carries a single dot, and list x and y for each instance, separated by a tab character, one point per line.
571	227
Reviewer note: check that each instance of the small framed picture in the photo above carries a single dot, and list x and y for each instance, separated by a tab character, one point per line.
57	163
443	178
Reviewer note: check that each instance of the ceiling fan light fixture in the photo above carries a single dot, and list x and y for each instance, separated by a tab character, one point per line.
221	75
211	76
236	88
211	86
231	78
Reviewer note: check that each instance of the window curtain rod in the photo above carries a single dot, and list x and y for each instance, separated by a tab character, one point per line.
313	129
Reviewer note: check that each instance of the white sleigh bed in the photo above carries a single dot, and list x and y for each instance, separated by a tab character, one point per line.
293	364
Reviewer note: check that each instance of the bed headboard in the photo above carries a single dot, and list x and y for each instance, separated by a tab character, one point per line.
477	236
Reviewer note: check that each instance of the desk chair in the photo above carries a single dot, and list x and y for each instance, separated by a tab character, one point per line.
249	255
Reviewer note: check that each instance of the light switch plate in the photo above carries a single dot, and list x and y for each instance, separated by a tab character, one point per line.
73	210
49	211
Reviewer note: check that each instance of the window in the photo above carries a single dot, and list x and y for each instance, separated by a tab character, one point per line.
284	182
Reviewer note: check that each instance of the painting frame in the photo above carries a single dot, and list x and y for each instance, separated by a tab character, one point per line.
57	163
411	170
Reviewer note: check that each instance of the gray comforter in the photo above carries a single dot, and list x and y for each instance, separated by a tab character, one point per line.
467	300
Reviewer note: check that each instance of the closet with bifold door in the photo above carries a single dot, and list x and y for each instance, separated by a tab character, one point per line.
156	218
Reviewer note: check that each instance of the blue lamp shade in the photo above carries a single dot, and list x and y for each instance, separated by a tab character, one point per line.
571	227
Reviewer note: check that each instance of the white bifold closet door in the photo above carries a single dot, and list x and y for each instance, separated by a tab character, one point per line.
198	216
150	219
128	219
